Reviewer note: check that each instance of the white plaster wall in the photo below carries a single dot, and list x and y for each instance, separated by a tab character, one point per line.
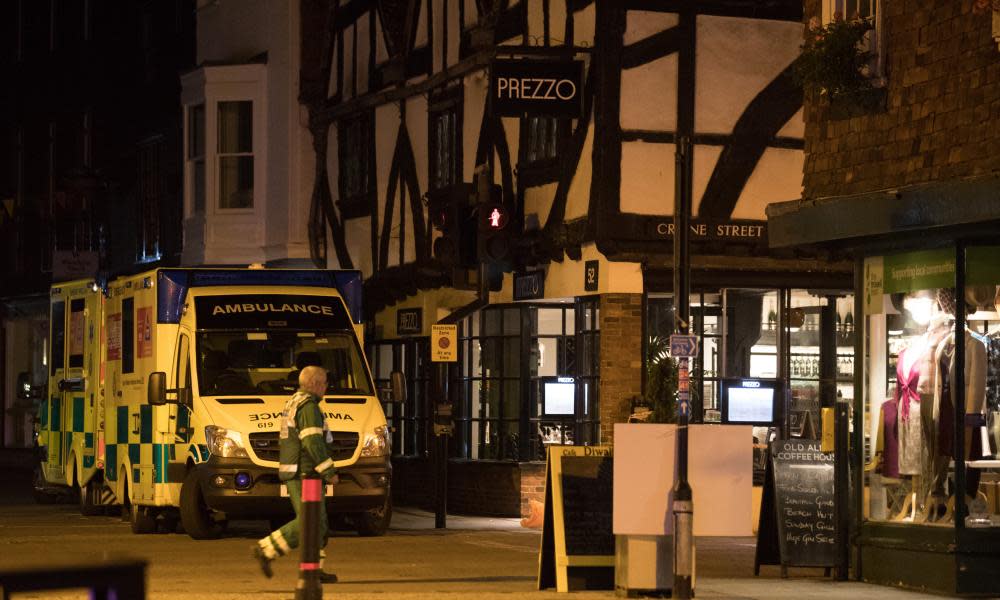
648	177
795	127
454	30
332	85
437	14
381	52
364	51
778	176
512	130
737	58
649	95
348	91
245	26
471	13
641	24
557	22
416	126
538	200
421	36
357	233
583	26
536	22
578	200
333	165
386	130
474	90
565	279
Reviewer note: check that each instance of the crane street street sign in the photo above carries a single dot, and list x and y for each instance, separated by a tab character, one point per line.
683	346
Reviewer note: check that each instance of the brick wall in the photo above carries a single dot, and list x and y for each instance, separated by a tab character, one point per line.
942	115
532	485
621	358
487	488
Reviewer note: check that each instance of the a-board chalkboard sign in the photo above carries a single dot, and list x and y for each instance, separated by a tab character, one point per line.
578	545
797	520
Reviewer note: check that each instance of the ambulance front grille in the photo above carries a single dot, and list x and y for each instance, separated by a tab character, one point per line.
266	445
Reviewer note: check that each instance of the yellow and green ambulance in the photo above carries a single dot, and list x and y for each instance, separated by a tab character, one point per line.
166	390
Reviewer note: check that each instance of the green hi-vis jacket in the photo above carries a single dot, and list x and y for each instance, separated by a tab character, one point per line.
303	439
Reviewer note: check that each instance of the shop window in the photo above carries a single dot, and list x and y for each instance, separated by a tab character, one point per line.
235	154
931	408
355	143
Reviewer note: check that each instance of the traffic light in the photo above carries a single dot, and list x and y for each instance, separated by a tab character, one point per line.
495	229
452	214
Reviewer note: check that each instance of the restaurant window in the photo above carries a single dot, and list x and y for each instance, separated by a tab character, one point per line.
529	379
542	138
355	142
445	140
235	154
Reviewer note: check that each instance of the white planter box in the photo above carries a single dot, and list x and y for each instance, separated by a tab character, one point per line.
720	471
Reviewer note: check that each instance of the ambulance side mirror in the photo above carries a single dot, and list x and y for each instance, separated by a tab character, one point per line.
156	388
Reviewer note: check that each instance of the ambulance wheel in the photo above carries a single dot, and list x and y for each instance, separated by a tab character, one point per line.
142	519
196	517
90	498
375	521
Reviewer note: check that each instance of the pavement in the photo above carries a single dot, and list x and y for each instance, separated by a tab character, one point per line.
475	557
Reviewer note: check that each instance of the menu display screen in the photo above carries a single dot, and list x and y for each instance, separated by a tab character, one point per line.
750	401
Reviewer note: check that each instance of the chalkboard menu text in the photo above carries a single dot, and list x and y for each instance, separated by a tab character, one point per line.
578	546
797	515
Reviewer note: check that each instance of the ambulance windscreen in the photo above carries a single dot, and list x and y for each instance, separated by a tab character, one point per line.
233	363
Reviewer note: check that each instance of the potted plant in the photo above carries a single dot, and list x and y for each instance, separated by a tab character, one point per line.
835	62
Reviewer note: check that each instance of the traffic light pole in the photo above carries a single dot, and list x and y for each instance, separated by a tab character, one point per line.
683	508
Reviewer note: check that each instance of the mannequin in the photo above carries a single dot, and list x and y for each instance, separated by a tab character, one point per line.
916	382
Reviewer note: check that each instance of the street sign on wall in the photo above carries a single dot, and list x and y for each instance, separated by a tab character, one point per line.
551	88
444	343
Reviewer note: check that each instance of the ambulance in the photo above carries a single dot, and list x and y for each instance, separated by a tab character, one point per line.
166	390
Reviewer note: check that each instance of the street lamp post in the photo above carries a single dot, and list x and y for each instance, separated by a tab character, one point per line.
683	508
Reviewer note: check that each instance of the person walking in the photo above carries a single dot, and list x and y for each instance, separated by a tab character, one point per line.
302	451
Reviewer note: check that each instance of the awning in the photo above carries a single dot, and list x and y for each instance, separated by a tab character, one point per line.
930	206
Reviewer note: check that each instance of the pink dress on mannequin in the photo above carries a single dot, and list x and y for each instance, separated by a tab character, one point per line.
911	439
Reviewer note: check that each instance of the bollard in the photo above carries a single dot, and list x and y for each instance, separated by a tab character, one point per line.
308	586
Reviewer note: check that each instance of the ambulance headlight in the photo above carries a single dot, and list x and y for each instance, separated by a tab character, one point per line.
377	443
224	443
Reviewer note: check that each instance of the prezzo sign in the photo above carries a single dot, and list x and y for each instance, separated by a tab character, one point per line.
529	286
536	87
409	321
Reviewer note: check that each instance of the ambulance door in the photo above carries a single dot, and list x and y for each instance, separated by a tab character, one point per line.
50	431
72	386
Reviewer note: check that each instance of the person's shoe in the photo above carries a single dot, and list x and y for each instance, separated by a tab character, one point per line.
325	577
263	561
